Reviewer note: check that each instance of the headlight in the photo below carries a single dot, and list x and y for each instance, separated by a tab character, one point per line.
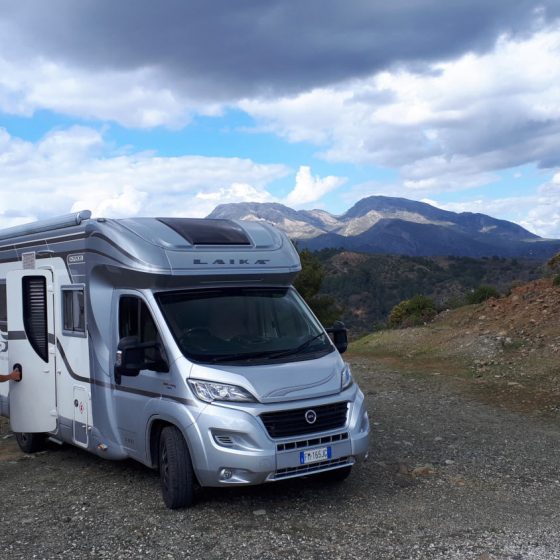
346	377
209	391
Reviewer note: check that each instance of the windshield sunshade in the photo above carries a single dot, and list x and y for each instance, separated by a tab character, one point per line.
251	325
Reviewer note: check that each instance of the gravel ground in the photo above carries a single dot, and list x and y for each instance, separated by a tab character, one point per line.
447	478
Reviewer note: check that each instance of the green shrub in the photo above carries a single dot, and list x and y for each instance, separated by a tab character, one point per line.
556	281
482	293
412	312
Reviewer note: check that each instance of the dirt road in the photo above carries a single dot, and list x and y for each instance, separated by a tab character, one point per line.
448	478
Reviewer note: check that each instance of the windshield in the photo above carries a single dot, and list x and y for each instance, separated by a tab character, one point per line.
254	325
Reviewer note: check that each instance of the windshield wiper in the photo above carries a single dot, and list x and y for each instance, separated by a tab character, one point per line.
264	354
292	351
237	357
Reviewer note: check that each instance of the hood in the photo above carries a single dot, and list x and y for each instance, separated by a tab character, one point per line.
279	382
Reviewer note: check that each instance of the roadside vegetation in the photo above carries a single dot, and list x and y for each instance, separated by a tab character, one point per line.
366	288
503	349
418	310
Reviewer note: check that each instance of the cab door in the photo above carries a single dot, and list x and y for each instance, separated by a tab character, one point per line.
31	344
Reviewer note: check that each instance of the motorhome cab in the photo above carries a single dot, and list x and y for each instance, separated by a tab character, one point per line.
179	343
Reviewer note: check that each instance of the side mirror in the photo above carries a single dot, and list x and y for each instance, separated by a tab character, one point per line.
339	336
133	356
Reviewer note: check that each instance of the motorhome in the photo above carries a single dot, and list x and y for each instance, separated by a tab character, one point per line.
177	342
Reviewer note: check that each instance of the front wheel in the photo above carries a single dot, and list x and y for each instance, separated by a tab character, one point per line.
30	443
175	469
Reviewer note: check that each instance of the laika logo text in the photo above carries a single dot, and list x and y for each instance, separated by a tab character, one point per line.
233	261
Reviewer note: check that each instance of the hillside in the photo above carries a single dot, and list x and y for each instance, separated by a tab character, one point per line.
506	350
366	287
390	225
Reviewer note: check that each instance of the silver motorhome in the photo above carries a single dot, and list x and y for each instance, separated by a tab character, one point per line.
179	343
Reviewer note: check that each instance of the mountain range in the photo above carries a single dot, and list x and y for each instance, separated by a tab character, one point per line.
381	224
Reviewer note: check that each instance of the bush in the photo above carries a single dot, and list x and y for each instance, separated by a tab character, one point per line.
482	293
556	281
412	312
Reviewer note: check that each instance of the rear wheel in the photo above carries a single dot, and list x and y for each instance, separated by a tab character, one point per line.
30	443
175	469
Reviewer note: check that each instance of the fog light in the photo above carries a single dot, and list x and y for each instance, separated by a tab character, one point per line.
225	474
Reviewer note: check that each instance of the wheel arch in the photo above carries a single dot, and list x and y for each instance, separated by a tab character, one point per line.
155	427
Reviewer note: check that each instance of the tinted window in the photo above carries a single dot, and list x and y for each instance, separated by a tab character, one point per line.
235	324
135	319
73	311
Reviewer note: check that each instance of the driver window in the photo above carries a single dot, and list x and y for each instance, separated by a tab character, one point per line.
135	319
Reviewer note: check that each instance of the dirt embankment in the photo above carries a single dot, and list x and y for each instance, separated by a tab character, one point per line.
506	350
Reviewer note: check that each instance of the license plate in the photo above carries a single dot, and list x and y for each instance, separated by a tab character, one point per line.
315	455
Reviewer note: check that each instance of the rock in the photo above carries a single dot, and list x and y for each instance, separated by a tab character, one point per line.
259	512
424	470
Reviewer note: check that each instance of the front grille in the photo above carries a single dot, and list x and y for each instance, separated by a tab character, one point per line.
315	467
289	423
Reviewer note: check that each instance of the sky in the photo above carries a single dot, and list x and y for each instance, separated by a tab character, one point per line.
169	108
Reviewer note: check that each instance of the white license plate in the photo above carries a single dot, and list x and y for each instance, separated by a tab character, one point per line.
315	455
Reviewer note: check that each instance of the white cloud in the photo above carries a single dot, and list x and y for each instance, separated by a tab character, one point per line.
138	98
450	128
311	189
127	201
544	216
72	169
538	213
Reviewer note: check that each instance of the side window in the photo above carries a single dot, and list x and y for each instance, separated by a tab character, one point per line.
3	307
135	319
73	311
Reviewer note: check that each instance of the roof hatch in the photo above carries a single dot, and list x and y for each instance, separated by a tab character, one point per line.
208	232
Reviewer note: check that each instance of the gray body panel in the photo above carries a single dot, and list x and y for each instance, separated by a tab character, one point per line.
142	256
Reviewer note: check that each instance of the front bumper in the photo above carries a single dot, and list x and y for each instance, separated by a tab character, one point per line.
230	445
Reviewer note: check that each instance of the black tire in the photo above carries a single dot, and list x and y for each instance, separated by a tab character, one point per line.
30	443
175	469
338	475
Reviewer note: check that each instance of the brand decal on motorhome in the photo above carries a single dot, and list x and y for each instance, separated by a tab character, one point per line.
76	259
233	261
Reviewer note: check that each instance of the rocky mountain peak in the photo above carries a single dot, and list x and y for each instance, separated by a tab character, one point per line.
382	224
